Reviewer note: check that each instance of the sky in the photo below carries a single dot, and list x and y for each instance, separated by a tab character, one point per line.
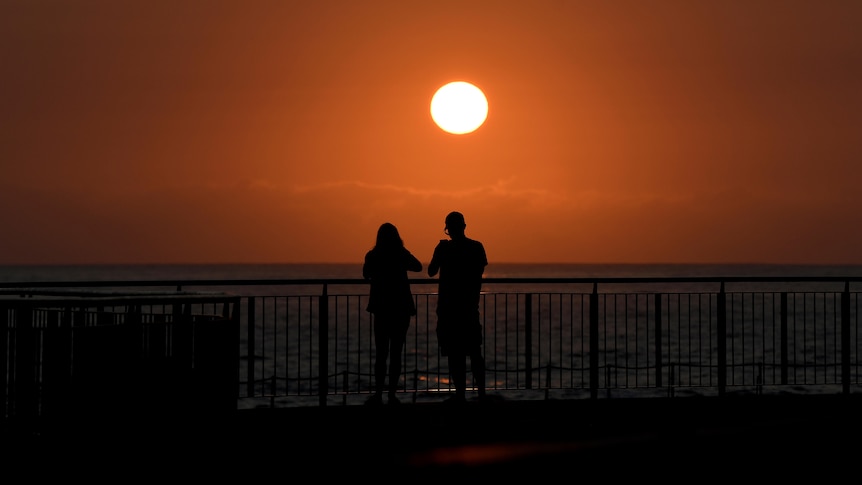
267	131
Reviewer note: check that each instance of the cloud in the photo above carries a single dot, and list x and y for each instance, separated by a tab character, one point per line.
499	189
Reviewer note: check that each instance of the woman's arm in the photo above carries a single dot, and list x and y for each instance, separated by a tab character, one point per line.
413	264
367	266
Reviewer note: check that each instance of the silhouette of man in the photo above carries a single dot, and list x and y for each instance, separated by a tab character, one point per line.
461	262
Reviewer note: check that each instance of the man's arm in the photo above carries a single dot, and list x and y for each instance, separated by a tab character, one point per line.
482	258
434	265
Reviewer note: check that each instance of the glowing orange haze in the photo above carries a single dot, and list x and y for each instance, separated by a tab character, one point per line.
163	132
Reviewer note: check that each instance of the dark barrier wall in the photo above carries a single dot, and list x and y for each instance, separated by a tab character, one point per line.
76	358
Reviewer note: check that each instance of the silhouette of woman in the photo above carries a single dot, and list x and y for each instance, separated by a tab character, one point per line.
391	303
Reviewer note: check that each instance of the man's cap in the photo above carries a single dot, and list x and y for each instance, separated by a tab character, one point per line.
455	219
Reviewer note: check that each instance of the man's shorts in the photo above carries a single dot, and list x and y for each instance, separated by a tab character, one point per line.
457	334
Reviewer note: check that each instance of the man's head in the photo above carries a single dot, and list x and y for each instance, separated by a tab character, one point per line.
455	223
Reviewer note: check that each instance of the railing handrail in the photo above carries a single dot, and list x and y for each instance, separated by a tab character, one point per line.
429	281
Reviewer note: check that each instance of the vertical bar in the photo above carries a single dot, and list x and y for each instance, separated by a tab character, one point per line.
56	364
594	342
25	401
783	349
251	346
658	339
4	355
722	340
845	338
182	349
323	346
235	322
528	340
216	365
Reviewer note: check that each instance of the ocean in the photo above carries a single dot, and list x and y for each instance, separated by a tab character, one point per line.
111	272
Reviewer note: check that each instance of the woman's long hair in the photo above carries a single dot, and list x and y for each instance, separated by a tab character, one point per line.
388	237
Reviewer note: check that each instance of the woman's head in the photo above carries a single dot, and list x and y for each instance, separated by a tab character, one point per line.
388	237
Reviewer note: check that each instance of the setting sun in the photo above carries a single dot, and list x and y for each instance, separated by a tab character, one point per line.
608	134
459	108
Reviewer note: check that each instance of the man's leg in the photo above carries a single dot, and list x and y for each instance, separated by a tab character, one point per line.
477	367
458	373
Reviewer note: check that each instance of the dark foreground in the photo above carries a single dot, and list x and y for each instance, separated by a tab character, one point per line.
666	439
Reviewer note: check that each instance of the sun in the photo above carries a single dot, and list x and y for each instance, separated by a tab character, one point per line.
459	108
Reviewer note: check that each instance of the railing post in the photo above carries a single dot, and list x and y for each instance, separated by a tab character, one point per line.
4	353
783	342
845	338
323	347
25	401
671	377
344	387
594	342
251	346
235	322
759	380
658	337
528	340
722	340
608	371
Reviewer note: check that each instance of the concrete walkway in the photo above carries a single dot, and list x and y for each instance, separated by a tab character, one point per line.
666	438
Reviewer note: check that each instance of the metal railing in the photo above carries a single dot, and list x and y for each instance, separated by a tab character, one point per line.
311	341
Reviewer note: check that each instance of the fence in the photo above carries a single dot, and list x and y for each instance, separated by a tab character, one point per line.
305	342
570	343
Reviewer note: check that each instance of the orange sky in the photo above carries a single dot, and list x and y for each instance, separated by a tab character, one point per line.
158	131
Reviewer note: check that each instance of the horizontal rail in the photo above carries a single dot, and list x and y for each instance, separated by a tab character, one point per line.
180	283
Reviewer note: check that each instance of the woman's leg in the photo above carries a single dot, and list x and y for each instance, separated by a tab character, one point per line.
396	347
381	347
